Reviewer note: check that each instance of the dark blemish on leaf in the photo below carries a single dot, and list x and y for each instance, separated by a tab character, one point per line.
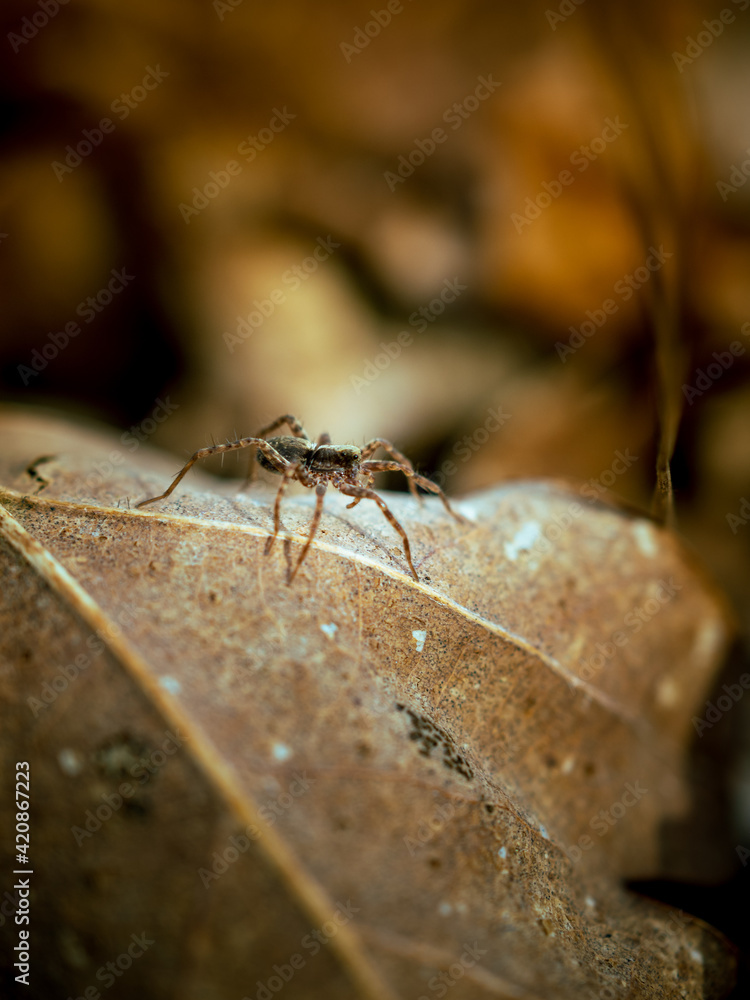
32	470
125	759
138	808
429	736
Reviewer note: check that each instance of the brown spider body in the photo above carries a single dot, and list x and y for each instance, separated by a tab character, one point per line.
318	465
323	459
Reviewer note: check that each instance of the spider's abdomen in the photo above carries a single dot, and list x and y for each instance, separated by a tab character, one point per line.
335	458
293	449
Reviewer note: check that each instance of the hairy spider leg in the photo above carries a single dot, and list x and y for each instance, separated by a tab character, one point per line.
268	450
296	472
369	480
294	426
363	493
291	472
423	481
372	446
320	492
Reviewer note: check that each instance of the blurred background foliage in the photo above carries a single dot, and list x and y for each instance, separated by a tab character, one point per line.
243	134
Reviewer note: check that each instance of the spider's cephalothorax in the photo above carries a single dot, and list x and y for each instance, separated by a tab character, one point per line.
318	465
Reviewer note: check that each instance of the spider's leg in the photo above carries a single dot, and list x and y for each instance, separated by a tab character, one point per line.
270	452
320	491
412	476
289	473
294	426
363	493
323	438
403	462
368	482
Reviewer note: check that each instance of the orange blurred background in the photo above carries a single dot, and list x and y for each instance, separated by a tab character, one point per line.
395	220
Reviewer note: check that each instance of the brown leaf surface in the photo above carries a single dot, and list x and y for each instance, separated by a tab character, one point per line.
408	766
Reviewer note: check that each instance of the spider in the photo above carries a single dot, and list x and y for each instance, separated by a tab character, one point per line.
318	465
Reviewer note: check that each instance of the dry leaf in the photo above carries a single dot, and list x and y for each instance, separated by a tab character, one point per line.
360	785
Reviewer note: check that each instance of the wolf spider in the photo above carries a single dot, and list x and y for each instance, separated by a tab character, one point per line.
318	465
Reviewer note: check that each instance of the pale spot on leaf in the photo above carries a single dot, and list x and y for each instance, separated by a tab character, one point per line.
645	538
523	539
